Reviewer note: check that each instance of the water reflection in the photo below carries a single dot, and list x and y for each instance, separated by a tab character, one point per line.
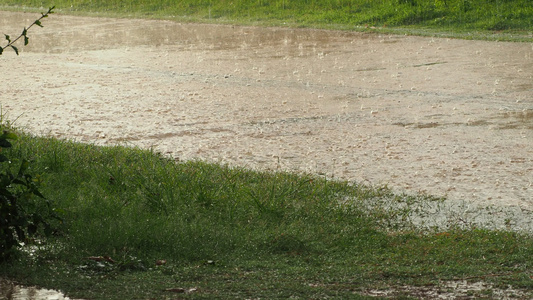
63	34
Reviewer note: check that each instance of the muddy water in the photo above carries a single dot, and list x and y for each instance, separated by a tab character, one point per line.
440	116
10	291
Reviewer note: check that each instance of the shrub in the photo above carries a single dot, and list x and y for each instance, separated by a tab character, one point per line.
23	209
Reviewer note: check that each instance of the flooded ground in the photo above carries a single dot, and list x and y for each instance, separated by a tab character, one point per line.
11	291
439	116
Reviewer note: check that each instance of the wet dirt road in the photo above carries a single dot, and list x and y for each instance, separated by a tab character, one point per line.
440	116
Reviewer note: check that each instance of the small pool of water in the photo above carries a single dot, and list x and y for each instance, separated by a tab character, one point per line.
11	291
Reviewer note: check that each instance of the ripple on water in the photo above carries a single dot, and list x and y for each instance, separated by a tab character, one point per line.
11	291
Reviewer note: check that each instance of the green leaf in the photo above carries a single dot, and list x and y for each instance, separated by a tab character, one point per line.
16	50
25	35
23	167
5	143
38	23
59	211
18	181
50	11
1	50
7	38
36	192
8	135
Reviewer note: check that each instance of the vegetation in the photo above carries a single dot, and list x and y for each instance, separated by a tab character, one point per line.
20	214
139	225
24	34
459	17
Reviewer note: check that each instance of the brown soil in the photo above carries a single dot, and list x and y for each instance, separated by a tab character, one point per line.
440	116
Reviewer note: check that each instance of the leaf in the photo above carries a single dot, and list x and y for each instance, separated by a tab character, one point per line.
23	167
38	23
36	192
8	135
59	211
16	50
25	35
7	38
1	50
3	158
4	143
18	181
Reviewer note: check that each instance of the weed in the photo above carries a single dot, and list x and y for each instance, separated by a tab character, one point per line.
20	214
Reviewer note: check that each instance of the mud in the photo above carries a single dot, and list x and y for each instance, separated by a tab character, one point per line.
439	116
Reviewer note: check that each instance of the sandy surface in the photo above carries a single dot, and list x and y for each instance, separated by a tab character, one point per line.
441	116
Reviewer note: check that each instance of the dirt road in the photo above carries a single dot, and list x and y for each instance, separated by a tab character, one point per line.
441	116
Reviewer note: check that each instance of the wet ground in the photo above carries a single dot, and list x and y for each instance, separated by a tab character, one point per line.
11	291
440	116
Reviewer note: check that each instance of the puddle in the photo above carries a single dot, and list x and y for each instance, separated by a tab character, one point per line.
517	119
157	33
11	291
459	289
447	117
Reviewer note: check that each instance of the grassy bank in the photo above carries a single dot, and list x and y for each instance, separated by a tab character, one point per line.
463	18
234	233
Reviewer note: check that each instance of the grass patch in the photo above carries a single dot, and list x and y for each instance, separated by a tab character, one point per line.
482	19
234	233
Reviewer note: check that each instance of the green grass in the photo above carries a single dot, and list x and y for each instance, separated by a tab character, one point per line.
486	19
235	233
